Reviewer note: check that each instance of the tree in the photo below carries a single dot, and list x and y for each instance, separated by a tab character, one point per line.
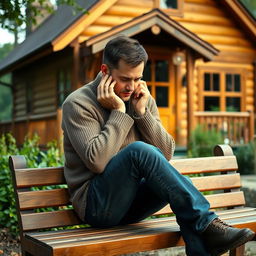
5	91
16	15
250	5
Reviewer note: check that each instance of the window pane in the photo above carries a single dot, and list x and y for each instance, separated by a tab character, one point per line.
229	83
211	103
150	89
233	104
147	72
162	71
207	82
237	83
216	82
169	4
162	96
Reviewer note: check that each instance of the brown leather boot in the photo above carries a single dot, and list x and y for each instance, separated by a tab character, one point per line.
221	237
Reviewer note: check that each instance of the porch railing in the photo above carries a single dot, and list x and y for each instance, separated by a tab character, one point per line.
236	127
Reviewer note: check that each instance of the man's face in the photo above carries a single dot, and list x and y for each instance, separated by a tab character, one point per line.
127	79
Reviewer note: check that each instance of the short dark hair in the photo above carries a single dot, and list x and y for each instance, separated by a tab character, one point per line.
125	48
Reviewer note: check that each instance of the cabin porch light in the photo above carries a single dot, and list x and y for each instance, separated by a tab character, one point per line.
178	57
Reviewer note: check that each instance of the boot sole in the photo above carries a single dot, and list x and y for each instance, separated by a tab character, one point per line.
247	237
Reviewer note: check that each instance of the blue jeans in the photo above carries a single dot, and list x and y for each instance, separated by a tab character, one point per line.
137	182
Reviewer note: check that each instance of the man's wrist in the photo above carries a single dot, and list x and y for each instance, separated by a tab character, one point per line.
140	112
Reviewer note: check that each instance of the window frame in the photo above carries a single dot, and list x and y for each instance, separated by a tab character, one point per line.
171	11
222	93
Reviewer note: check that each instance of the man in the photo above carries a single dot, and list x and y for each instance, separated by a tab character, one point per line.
117	153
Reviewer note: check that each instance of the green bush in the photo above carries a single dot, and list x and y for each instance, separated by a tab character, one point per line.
246	158
34	157
202	142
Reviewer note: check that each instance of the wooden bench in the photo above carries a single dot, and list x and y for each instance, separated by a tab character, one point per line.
150	234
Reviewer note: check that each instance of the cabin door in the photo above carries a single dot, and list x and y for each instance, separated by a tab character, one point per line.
159	75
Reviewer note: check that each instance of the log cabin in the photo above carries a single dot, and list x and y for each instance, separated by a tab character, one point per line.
201	67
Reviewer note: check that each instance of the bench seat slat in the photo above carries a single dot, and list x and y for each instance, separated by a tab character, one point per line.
53	235
89	234
220	200
43	198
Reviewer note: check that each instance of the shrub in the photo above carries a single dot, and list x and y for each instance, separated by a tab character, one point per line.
34	157
202	142
246	158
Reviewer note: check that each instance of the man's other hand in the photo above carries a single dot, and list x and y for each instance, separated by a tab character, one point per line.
106	95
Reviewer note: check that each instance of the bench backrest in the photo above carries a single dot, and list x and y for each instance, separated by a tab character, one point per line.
223	181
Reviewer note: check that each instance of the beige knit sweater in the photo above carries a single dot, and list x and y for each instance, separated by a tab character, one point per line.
93	135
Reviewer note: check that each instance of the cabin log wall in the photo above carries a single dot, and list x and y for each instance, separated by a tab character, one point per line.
41	76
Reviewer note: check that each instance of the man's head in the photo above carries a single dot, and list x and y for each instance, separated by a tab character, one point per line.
125	48
124	59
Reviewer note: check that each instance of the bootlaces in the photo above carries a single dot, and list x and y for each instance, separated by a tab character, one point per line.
220	224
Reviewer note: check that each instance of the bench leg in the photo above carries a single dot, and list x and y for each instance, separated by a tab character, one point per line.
239	251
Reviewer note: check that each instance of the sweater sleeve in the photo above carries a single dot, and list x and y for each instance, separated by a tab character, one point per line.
95	144
153	132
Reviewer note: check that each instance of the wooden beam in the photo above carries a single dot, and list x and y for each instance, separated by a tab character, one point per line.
190	64
76	64
244	18
178	89
79	26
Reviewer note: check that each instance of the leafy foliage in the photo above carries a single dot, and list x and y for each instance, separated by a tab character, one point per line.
246	156
14	14
35	158
202	142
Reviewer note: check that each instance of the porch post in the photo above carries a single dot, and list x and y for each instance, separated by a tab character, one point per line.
76	65
190	64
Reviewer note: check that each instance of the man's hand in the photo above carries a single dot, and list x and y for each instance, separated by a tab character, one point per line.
106	95
140	98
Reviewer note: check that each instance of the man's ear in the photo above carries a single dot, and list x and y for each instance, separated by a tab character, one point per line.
104	69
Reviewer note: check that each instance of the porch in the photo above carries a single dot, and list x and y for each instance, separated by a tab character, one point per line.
236	127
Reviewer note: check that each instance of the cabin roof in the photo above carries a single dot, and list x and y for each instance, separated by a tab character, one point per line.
61	28
41	39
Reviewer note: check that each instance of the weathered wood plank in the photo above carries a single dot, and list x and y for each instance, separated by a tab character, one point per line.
202	165
220	200
48	176
43	198
32	221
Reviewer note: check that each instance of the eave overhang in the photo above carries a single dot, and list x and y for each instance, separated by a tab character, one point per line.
148	20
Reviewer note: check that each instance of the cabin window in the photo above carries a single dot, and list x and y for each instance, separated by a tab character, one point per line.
221	91
173	7
156	73
64	85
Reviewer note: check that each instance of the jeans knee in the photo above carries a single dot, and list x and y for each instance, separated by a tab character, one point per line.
142	147
139	146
